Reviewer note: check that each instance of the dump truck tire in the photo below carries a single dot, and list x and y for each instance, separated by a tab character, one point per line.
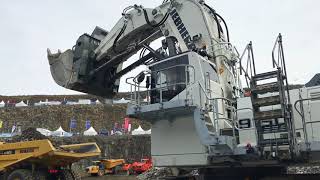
20	174
100	173
67	174
75	175
40	175
116	170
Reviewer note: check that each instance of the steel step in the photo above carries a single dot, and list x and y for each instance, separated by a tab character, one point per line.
274	142
273	130
265	88
271	126
226	132
265	115
267	75
266	101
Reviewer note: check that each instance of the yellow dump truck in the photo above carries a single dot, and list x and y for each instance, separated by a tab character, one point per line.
40	160
105	166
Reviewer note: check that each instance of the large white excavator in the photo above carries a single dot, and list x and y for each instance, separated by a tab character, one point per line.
191	91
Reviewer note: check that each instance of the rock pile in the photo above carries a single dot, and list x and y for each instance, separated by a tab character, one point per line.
155	173
29	134
303	170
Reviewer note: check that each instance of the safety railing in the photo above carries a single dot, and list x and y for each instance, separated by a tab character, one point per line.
211	105
249	69
280	63
137	91
303	118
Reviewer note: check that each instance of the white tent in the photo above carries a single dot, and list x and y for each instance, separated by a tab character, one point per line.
2	104
21	104
138	131
72	103
41	103
118	133
90	132
53	103
121	101
148	132
45	132
6	135
60	133
84	101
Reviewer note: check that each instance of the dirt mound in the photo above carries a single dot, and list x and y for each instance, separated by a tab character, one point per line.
29	134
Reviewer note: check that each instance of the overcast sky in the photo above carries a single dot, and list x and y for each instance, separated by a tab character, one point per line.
27	28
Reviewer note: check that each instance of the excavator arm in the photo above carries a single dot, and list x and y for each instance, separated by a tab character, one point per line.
94	64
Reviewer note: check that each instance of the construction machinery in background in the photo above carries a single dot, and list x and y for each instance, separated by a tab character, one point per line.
40	160
106	166
192	95
142	166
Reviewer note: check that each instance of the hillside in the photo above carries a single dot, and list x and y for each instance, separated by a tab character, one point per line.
51	117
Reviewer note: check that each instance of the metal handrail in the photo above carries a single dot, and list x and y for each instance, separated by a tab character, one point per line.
278	44
301	113
250	63
137	85
208	99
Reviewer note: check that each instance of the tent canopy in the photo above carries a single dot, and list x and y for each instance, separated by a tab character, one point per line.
148	132
60	130
121	101
90	132
138	131
21	104
2	104
43	131
60	133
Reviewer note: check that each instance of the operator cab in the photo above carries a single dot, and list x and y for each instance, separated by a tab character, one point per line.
169	78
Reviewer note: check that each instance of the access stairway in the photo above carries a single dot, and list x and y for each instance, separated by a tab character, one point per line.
271	107
272	113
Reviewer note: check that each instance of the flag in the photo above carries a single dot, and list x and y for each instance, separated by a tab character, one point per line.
126	123
73	124
129	127
13	128
88	124
1	123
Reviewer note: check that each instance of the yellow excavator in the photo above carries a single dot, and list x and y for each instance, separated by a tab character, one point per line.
40	160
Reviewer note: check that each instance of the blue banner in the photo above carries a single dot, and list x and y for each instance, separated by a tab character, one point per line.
88	124
73	124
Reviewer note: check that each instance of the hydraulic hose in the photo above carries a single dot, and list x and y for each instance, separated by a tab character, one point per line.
225	25
155	25
118	37
215	18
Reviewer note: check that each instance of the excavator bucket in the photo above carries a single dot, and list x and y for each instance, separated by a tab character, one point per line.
73	69
61	68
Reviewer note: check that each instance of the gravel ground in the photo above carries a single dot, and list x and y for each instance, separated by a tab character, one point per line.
111	178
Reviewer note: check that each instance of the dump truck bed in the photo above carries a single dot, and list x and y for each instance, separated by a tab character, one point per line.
44	153
111	163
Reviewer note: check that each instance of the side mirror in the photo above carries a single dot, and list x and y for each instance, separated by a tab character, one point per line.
140	77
